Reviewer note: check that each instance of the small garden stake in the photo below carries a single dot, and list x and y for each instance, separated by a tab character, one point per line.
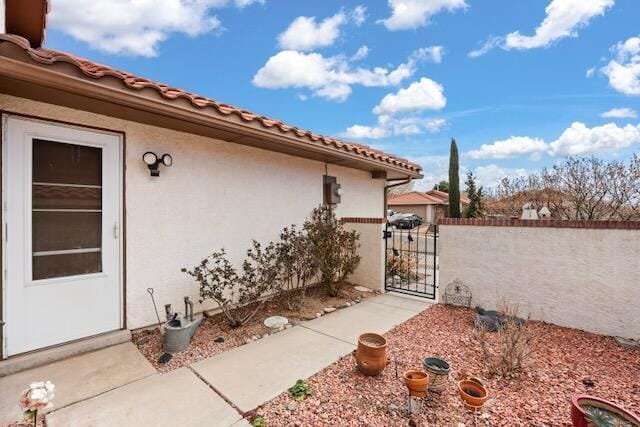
153	300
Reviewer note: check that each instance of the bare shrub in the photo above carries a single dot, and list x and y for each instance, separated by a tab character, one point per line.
509	355
335	248
297	265
404	265
219	281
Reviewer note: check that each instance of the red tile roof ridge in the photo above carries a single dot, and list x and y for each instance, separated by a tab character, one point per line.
97	71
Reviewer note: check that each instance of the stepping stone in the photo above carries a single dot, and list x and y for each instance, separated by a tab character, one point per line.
276	322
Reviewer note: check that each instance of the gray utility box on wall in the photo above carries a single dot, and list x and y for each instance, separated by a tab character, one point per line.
332	190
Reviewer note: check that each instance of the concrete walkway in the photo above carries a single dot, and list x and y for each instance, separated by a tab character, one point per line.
77	378
177	398
118	386
253	374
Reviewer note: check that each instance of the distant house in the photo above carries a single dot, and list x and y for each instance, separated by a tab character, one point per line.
430	205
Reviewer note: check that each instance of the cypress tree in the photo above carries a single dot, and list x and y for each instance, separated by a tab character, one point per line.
454	182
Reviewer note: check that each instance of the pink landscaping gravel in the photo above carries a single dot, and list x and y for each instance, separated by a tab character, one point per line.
540	396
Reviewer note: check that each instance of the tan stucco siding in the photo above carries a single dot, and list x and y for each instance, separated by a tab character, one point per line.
217	194
580	278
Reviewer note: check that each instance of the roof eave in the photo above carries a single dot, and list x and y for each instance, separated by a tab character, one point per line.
247	133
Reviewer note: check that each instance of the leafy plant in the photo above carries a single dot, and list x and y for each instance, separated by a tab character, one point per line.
220	282
300	390
297	265
599	417
259	421
475	207
334	247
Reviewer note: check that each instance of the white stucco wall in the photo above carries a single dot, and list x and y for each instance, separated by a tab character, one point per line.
217	194
370	272
587	279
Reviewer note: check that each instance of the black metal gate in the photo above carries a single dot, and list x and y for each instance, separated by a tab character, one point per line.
411	260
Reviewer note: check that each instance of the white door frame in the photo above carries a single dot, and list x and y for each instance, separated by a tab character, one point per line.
119	201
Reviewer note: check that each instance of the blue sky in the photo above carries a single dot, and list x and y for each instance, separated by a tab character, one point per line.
404	75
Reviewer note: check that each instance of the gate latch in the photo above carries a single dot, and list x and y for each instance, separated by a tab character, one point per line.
386	234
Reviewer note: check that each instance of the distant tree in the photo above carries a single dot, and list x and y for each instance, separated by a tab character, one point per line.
474	209
442	186
454	182
577	188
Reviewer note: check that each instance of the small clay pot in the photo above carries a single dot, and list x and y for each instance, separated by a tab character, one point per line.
472	393
417	382
371	354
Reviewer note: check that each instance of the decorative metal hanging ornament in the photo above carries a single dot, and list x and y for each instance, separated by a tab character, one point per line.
457	293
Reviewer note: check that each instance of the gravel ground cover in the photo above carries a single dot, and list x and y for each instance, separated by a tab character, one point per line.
560	361
203	344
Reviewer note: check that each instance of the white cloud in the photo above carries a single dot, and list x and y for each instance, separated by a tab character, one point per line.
395	126
510	147
361	53
328	77
409	14
434	169
424	94
623	70
491	42
563	19
490	175
398	113
359	15
305	34
590	72
365	132
620	113
245	3
578	139
136	27
430	54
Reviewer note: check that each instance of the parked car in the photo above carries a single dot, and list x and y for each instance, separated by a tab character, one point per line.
404	220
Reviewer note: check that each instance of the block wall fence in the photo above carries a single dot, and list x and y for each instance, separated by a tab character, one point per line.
579	274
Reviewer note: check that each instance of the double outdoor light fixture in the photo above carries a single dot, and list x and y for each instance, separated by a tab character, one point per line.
153	162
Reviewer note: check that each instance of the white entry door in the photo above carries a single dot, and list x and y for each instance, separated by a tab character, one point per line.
61	213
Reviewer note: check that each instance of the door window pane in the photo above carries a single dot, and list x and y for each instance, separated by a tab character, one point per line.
67	209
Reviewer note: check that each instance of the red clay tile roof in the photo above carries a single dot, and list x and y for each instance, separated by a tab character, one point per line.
98	71
433	197
414	198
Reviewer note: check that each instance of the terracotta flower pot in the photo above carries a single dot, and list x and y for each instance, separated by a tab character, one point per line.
579	416
417	382
371	354
472	393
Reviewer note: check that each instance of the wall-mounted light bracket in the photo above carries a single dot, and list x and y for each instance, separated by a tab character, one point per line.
332	190
153	162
